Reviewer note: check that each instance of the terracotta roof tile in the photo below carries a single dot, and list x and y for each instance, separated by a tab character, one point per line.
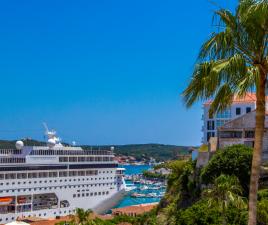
249	97
41	221
137	209
49	221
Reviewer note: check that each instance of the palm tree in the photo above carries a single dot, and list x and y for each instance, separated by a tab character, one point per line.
82	216
225	191
233	61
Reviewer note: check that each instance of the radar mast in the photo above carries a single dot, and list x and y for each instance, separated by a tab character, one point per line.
52	139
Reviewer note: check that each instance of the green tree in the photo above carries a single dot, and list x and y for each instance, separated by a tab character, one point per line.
233	61
263	194
82	216
232	160
199	213
226	191
262	215
262	212
202	213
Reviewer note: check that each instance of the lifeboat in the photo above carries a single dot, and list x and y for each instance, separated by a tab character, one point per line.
21	200
5	200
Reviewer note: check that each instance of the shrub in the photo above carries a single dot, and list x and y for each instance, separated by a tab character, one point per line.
202	213
263	194
262	212
232	160
199	213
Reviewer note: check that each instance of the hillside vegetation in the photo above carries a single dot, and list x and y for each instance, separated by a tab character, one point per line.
158	151
5	144
213	195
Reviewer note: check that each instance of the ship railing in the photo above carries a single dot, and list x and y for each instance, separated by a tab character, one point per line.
10	151
70	152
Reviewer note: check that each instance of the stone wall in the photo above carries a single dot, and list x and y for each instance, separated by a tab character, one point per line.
228	142
224	142
202	159
265	146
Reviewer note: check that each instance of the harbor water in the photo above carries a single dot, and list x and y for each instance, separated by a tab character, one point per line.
129	200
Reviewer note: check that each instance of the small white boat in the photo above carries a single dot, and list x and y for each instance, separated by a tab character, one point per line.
130	187
137	195
154	188
143	188
152	195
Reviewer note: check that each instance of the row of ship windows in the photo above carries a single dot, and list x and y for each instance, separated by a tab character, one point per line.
12	160
50	181
62	159
34	215
61	187
85	159
90	194
70	173
70	152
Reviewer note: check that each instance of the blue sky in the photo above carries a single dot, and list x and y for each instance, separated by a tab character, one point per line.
101	72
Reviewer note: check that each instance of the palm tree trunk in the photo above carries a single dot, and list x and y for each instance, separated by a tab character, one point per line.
257	153
224	221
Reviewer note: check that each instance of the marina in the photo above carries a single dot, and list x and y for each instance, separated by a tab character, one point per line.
140	190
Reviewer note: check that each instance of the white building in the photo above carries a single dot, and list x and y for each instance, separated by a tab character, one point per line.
239	107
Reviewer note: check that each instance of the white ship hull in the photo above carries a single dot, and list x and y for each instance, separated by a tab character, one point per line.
54	180
100	193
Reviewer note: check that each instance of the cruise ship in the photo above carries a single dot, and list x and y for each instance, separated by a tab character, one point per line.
53	180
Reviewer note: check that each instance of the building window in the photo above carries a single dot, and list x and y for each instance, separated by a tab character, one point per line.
231	134
238	111
220	123
249	134
209	135
225	114
248	109
210	125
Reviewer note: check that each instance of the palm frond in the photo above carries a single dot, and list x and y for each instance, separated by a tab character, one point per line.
215	79
257	12
243	6
219	46
226	190
203	84
231	67
229	61
222	100
247	82
227	18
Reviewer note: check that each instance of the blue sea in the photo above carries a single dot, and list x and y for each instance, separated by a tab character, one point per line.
127	200
133	169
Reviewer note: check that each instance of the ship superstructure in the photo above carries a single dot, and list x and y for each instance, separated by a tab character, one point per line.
54	180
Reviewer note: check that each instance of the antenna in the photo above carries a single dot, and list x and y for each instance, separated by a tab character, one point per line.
46	127
49	133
